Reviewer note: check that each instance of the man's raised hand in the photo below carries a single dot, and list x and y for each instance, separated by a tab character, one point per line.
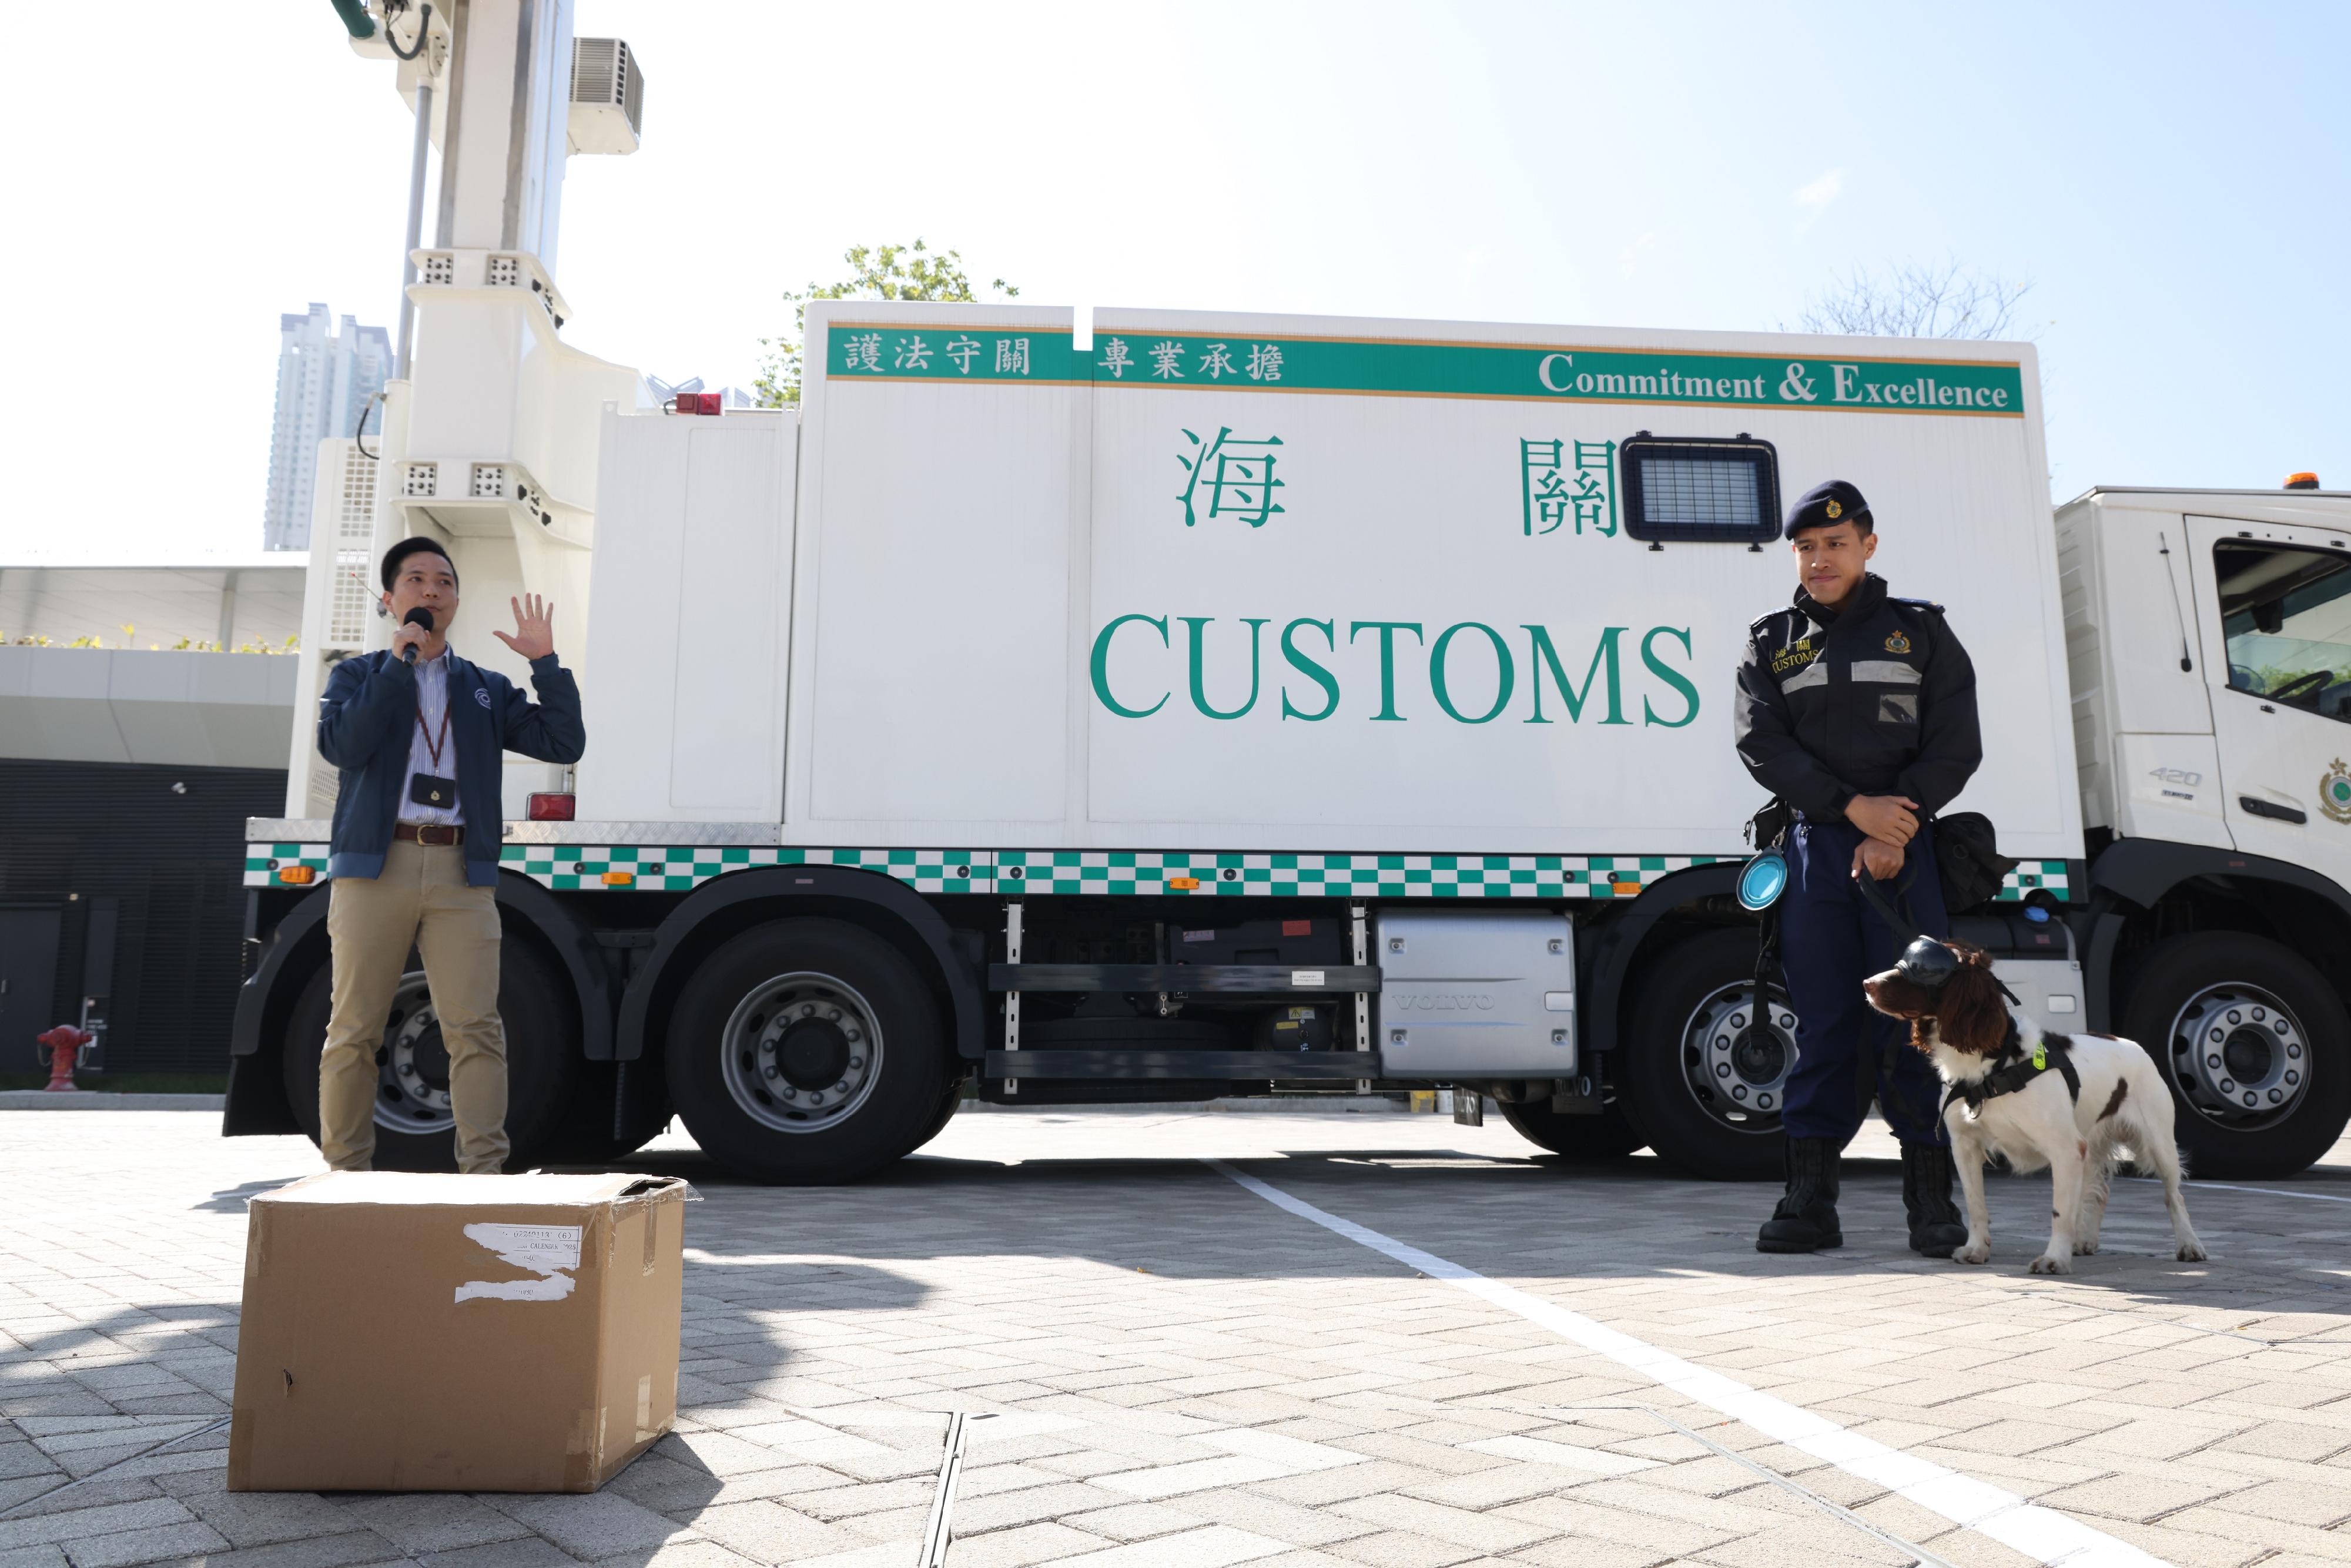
533	635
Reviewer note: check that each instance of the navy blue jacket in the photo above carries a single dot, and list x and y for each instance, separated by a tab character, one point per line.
367	717
1877	698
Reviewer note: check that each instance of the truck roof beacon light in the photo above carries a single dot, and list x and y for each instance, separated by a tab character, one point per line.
1762	880
2302	481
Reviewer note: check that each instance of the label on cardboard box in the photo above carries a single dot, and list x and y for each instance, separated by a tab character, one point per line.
543	1249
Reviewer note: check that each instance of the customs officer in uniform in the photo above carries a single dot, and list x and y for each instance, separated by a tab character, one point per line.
1858	710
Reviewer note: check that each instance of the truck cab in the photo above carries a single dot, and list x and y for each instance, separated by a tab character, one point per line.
2209	647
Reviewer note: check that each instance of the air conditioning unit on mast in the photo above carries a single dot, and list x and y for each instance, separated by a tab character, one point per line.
608	97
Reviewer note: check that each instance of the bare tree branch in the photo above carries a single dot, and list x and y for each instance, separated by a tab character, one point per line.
1916	300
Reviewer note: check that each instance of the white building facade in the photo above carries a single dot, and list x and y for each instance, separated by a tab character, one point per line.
326	371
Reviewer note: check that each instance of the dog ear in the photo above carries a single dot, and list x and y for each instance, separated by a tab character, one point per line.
1972	1016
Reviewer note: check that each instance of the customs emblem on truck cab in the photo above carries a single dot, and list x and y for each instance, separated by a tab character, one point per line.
2335	793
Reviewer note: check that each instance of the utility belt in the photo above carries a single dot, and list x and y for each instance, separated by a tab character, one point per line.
429	834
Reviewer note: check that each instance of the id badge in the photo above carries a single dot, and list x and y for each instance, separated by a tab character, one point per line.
428	789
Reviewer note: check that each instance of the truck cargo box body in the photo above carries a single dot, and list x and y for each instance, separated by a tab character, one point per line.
1286	584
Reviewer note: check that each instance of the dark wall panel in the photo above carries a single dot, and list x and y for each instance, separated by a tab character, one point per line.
173	862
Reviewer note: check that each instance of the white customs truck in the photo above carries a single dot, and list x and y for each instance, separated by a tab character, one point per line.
1235	705
1200	704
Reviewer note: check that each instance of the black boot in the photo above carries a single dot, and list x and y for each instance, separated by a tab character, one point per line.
1806	1219
1935	1228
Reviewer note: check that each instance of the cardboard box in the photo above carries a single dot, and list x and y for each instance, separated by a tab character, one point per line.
417	1332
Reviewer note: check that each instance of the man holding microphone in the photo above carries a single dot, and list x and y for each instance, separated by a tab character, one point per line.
417	733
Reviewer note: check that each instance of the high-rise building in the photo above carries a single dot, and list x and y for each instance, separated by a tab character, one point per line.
325	379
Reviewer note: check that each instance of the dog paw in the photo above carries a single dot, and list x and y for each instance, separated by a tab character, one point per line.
1979	1253
2193	1253
2084	1248
2049	1264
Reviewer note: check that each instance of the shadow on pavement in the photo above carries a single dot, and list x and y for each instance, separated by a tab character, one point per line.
1539	1218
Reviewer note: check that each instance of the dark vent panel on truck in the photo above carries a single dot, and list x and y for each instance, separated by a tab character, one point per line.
1693	490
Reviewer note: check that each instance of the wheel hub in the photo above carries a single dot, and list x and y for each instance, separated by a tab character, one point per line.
413	1067
801	1052
1737	1073
2239	1056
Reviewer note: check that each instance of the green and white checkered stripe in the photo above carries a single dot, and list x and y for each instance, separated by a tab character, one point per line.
2054	875
264	862
1233	874
568	868
583	868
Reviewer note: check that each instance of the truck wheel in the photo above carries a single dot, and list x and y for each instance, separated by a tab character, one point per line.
642	1110
1703	1089
416	1128
948	1103
1608	1136
806	1051
2255	1046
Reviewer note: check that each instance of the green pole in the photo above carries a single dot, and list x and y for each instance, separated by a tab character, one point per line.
356	21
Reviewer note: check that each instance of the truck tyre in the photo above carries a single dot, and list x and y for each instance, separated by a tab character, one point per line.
949	1102
642	1110
1700	1086
1579	1139
415	1127
807	1052
2255	1045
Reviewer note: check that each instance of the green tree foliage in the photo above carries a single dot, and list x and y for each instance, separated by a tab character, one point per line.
875	272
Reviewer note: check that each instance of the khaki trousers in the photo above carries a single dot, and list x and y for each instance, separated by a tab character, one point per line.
420	899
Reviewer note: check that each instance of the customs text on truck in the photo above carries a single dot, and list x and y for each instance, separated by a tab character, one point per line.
1180	704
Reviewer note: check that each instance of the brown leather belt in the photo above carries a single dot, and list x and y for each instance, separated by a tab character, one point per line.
428	833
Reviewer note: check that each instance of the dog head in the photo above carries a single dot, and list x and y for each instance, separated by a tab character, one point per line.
1947	991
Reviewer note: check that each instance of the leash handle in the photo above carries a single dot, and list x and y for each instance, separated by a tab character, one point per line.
1873	894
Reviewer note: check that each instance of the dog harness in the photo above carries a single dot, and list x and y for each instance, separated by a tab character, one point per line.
2056	1053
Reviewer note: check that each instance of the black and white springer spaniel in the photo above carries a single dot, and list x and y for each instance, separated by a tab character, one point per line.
2067	1102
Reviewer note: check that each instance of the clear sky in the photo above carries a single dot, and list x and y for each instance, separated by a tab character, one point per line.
2171	179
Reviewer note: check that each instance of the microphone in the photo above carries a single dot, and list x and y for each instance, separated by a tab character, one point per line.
420	616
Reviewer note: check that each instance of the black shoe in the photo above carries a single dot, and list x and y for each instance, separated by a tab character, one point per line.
1935	1228
1806	1219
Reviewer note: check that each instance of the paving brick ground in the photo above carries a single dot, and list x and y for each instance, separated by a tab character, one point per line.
1180	1373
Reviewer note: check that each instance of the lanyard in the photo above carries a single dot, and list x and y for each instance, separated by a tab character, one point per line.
432	745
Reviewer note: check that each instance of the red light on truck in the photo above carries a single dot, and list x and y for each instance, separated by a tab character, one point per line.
694	402
553	808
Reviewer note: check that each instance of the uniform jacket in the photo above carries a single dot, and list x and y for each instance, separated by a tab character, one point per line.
1878	698
365	720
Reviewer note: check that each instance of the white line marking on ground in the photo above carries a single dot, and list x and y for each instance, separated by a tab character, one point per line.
2041	1533
2270	1191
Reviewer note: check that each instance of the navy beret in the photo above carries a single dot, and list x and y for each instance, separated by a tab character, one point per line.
1823	506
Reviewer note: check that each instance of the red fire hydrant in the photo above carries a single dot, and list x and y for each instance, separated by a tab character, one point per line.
65	1043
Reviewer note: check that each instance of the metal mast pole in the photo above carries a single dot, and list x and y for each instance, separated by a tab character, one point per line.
415	219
